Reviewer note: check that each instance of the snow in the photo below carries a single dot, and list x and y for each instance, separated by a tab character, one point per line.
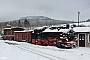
24	31
83	23
38	28
56	30
27	51
76	29
49	30
81	29
86	23
64	30
7	28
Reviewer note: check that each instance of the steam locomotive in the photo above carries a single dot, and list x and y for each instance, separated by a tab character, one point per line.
54	36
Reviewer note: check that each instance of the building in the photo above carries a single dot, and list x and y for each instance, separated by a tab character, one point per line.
9	33
83	35
25	35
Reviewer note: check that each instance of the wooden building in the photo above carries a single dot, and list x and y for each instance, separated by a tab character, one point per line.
23	35
9	33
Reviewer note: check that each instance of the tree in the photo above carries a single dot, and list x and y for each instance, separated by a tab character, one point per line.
11	23
5	24
26	23
19	24
14	23
37	22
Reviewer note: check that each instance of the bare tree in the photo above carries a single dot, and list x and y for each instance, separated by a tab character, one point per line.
5	24
37	22
11	23
15	23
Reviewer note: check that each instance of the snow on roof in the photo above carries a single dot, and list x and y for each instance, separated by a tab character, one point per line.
82	23
8	25
53	26
45	26
40	27
56	30
24	31
64	30
7	28
30	30
49	30
85	23
81	29
63	25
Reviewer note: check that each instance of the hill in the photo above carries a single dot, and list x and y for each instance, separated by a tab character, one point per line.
42	20
39	20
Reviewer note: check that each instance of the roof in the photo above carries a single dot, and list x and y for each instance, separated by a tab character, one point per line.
24	31
7	28
81	29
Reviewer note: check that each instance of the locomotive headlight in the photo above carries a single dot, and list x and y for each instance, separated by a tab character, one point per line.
67	39
36	41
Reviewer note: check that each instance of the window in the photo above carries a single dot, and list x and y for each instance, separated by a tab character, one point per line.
79	37
89	38
83	37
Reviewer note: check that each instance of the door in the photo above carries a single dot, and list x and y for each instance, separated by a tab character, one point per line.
82	40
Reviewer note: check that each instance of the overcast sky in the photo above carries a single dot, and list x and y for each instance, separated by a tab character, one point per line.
57	9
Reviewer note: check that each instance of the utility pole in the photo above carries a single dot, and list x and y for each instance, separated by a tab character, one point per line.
78	18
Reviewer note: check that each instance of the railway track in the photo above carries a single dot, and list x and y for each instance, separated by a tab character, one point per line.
45	48
43	54
55	49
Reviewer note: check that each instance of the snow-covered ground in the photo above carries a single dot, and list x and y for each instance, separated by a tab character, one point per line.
12	50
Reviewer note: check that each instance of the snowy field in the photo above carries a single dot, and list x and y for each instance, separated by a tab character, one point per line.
12	50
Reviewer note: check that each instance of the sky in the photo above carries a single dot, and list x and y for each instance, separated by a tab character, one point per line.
56	9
